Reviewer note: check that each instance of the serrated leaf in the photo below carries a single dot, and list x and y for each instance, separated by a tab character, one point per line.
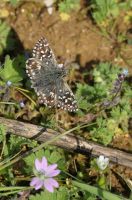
12	70
55	157
61	194
31	158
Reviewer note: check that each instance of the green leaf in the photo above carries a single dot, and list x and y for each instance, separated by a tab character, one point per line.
68	5
97	191
14	2
105	9
13	70
2	133
53	155
103	133
31	159
61	194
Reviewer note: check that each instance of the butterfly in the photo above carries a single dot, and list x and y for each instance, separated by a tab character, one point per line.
48	78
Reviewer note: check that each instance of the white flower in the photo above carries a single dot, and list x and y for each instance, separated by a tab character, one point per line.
102	162
22	105
8	83
50	10
49	5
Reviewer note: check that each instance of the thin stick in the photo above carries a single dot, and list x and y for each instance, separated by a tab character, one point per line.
68	142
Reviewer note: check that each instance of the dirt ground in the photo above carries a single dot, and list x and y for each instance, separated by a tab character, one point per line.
78	40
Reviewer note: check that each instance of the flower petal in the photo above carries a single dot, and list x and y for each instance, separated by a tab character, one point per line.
44	163
38	165
52	173
48	186
39	185
51	167
53	182
36	183
102	162
106	160
101	158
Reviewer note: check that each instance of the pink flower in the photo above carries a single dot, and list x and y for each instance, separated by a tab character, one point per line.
44	175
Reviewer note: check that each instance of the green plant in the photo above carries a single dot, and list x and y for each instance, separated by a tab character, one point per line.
108	15
111	121
103	76
105	9
67	6
102	97
13	2
62	193
13	70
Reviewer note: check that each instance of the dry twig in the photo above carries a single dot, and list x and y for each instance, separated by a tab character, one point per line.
68	142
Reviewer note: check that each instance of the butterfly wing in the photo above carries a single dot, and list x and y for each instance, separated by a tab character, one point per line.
42	82
65	98
43	52
47	78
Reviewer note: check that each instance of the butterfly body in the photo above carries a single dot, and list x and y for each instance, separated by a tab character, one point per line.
48	78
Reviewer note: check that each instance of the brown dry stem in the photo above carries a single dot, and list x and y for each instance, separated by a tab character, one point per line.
68	142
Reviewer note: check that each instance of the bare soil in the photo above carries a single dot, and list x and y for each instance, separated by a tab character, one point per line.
76	39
